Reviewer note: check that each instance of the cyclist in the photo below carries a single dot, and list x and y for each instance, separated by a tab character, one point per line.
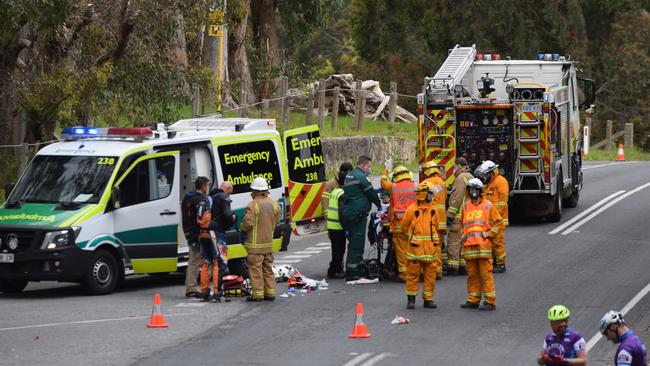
563	345
631	351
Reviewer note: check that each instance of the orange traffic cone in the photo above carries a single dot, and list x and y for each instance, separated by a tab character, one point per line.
621	154
157	319
359	330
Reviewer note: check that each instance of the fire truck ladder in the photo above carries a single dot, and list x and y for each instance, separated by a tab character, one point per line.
529	152
453	69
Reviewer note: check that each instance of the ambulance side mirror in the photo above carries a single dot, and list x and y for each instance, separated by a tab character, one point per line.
8	188
115	197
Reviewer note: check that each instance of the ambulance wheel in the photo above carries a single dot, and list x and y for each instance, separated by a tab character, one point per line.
12	286
103	275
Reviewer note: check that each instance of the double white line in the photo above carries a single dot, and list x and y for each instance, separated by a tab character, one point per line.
594	210
359	359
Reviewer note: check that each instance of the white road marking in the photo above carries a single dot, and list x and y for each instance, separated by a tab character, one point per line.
358	359
295	256
610	204
191	304
287	260
323	244
635	300
85	322
585	212
376	359
602	165
321	248
307	252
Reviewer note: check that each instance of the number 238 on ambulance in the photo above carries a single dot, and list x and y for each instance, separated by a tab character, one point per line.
105	203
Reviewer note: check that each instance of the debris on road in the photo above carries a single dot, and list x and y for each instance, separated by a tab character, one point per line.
283	272
363	281
400	320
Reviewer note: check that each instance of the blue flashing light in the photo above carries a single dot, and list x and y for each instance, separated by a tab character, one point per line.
556	56
79	131
540	56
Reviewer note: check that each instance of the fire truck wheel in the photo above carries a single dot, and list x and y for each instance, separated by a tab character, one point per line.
557	204
12	286
572	201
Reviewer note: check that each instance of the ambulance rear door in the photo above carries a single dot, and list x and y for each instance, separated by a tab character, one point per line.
306	179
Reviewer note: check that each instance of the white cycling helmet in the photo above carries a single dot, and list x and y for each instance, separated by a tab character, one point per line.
611	317
475	183
259	184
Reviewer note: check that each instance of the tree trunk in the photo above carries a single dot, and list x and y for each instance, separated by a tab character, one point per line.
265	38
238	59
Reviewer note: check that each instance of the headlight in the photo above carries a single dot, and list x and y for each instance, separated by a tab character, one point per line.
56	239
12	241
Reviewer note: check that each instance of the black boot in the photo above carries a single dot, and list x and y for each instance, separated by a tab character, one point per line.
499	268
486	306
453	272
462	271
469	305
410	304
429	304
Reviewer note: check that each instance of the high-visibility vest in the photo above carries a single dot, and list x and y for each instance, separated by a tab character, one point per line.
403	195
333	222
476	222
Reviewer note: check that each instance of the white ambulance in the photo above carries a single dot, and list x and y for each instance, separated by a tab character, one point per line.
105	203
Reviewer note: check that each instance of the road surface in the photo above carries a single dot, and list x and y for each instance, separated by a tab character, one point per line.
595	260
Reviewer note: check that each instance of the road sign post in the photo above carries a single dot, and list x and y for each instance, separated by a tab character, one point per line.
215	29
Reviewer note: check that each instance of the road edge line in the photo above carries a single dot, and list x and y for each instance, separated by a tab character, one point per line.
85	322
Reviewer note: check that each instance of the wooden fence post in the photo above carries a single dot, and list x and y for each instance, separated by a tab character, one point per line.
360	104
608	137
284	102
335	107
629	135
264	111
392	104
243	104
310	105
321	103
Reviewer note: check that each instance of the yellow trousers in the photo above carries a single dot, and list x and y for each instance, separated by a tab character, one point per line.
454	247
499	247
428	270
400	243
260	270
480	281
442	253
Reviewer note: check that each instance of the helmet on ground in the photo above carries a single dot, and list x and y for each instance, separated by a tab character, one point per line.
558	312
475	183
423	190
259	184
430	168
611	317
401	173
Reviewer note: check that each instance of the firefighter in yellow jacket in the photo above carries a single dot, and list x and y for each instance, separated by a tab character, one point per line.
402	194
262	215
432	175
496	191
456	201
420	224
481	224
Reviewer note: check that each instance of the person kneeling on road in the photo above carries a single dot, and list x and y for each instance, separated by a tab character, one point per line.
262	215
420	223
563	345
481	223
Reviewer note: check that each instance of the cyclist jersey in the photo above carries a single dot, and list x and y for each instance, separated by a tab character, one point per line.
566	346
631	351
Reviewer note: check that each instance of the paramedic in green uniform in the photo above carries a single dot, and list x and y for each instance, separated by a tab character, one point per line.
358	196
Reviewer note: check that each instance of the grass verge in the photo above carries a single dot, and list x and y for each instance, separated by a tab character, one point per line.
630	154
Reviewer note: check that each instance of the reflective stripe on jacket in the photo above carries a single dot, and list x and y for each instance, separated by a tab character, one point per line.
481	223
333	222
262	215
439	199
497	192
421	223
458	193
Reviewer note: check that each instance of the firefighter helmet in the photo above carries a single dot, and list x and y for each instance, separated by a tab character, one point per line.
260	184
558	312
430	168
423	189
475	183
401	173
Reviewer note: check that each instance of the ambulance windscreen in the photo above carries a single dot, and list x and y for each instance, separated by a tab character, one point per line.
74	179
242	162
